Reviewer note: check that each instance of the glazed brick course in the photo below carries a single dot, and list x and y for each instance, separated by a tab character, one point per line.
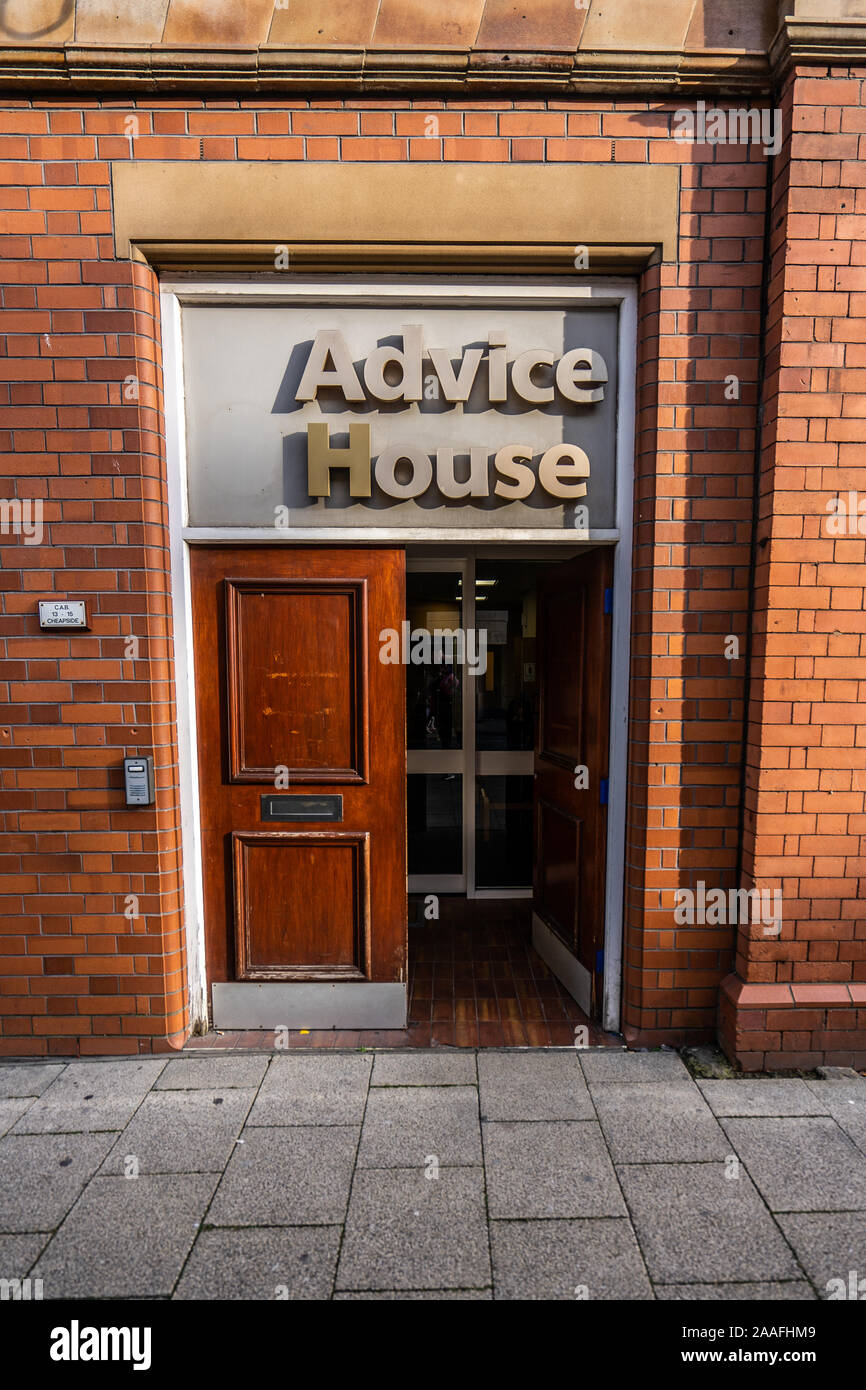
78	975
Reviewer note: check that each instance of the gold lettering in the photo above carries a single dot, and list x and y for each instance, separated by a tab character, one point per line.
321	458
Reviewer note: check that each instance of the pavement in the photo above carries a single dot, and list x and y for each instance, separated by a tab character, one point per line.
440	1174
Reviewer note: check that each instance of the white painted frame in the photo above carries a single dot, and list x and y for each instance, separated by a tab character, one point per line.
181	607
621	293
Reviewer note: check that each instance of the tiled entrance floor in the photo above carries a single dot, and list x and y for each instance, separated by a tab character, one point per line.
474	981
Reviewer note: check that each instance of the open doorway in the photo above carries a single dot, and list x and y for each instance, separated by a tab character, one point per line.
507	774
303	837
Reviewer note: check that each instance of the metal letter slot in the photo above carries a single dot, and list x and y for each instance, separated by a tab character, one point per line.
328	808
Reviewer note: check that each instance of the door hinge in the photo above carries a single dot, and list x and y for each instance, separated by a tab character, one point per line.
602	791
599	962
608	600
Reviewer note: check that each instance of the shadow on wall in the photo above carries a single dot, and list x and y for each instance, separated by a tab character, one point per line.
16	21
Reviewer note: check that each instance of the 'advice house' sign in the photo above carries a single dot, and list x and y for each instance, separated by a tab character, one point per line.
336	416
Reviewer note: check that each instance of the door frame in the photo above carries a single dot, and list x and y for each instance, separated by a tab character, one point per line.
504	291
459	757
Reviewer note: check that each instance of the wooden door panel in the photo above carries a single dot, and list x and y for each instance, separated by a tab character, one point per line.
558	885
297	680
562	653
573	732
289	686
302	905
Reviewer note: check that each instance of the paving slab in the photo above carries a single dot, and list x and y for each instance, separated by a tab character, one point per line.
290	1176
533	1086
416	1295
829	1245
126	1238
11	1110
784	1096
405	1126
210	1072
91	1096
546	1169
18	1253
28	1078
846	1101
181	1132
567	1260
694	1224
42	1174
406	1231
317	1089
646	1123
272	1262
424	1069
802	1164
795	1291
606	1066
253	1169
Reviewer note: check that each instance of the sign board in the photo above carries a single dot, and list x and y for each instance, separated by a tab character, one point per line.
62	613
335	415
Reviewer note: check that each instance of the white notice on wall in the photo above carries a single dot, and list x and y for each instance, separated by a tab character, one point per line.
495	620
62	613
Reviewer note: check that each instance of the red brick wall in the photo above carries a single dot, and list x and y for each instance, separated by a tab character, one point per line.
93	955
699	323
804	993
80	322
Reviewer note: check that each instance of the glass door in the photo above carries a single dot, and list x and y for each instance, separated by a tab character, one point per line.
504	728
470	737
439	715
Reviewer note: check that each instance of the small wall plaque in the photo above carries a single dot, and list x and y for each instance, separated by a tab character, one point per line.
62	612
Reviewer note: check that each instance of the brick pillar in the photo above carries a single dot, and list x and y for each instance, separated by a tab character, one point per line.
699	322
97	962
799	998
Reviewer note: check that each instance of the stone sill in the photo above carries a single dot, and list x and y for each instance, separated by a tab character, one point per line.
746	995
311	70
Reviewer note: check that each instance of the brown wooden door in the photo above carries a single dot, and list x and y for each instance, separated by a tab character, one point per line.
297	716
571	768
